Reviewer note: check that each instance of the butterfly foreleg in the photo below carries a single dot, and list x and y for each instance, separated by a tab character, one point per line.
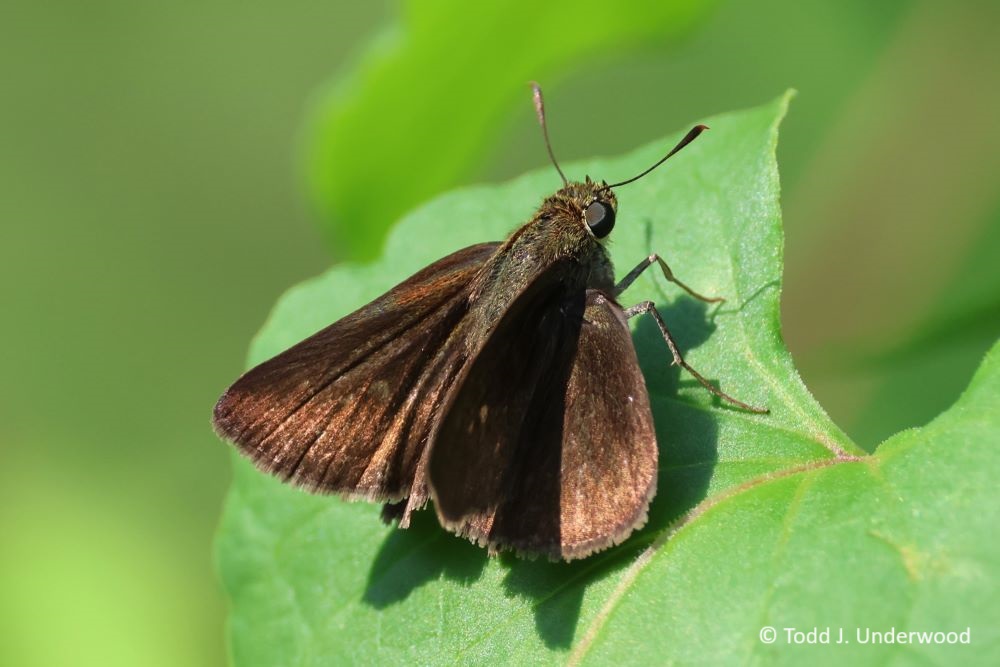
667	273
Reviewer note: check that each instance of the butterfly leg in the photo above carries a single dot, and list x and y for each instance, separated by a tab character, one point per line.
649	307
667	273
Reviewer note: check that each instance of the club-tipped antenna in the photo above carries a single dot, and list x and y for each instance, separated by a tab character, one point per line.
536	93
688	138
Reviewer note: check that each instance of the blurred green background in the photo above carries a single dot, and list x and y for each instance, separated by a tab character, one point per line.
166	171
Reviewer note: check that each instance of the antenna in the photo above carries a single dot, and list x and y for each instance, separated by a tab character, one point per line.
688	138
536	91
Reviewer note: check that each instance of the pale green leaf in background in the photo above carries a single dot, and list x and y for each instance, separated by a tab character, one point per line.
394	131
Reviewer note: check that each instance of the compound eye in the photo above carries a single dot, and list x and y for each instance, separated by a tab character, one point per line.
600	218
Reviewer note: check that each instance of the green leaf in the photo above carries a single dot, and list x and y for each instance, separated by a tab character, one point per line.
759	519
420	108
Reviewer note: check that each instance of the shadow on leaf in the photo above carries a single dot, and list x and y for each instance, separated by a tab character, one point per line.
422	553
556	589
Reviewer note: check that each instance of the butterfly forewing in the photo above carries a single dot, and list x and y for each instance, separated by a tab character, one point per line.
546	443
348	409
609	453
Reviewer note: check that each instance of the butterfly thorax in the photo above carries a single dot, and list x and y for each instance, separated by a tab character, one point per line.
553	252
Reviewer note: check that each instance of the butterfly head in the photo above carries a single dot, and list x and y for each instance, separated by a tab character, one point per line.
593	204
